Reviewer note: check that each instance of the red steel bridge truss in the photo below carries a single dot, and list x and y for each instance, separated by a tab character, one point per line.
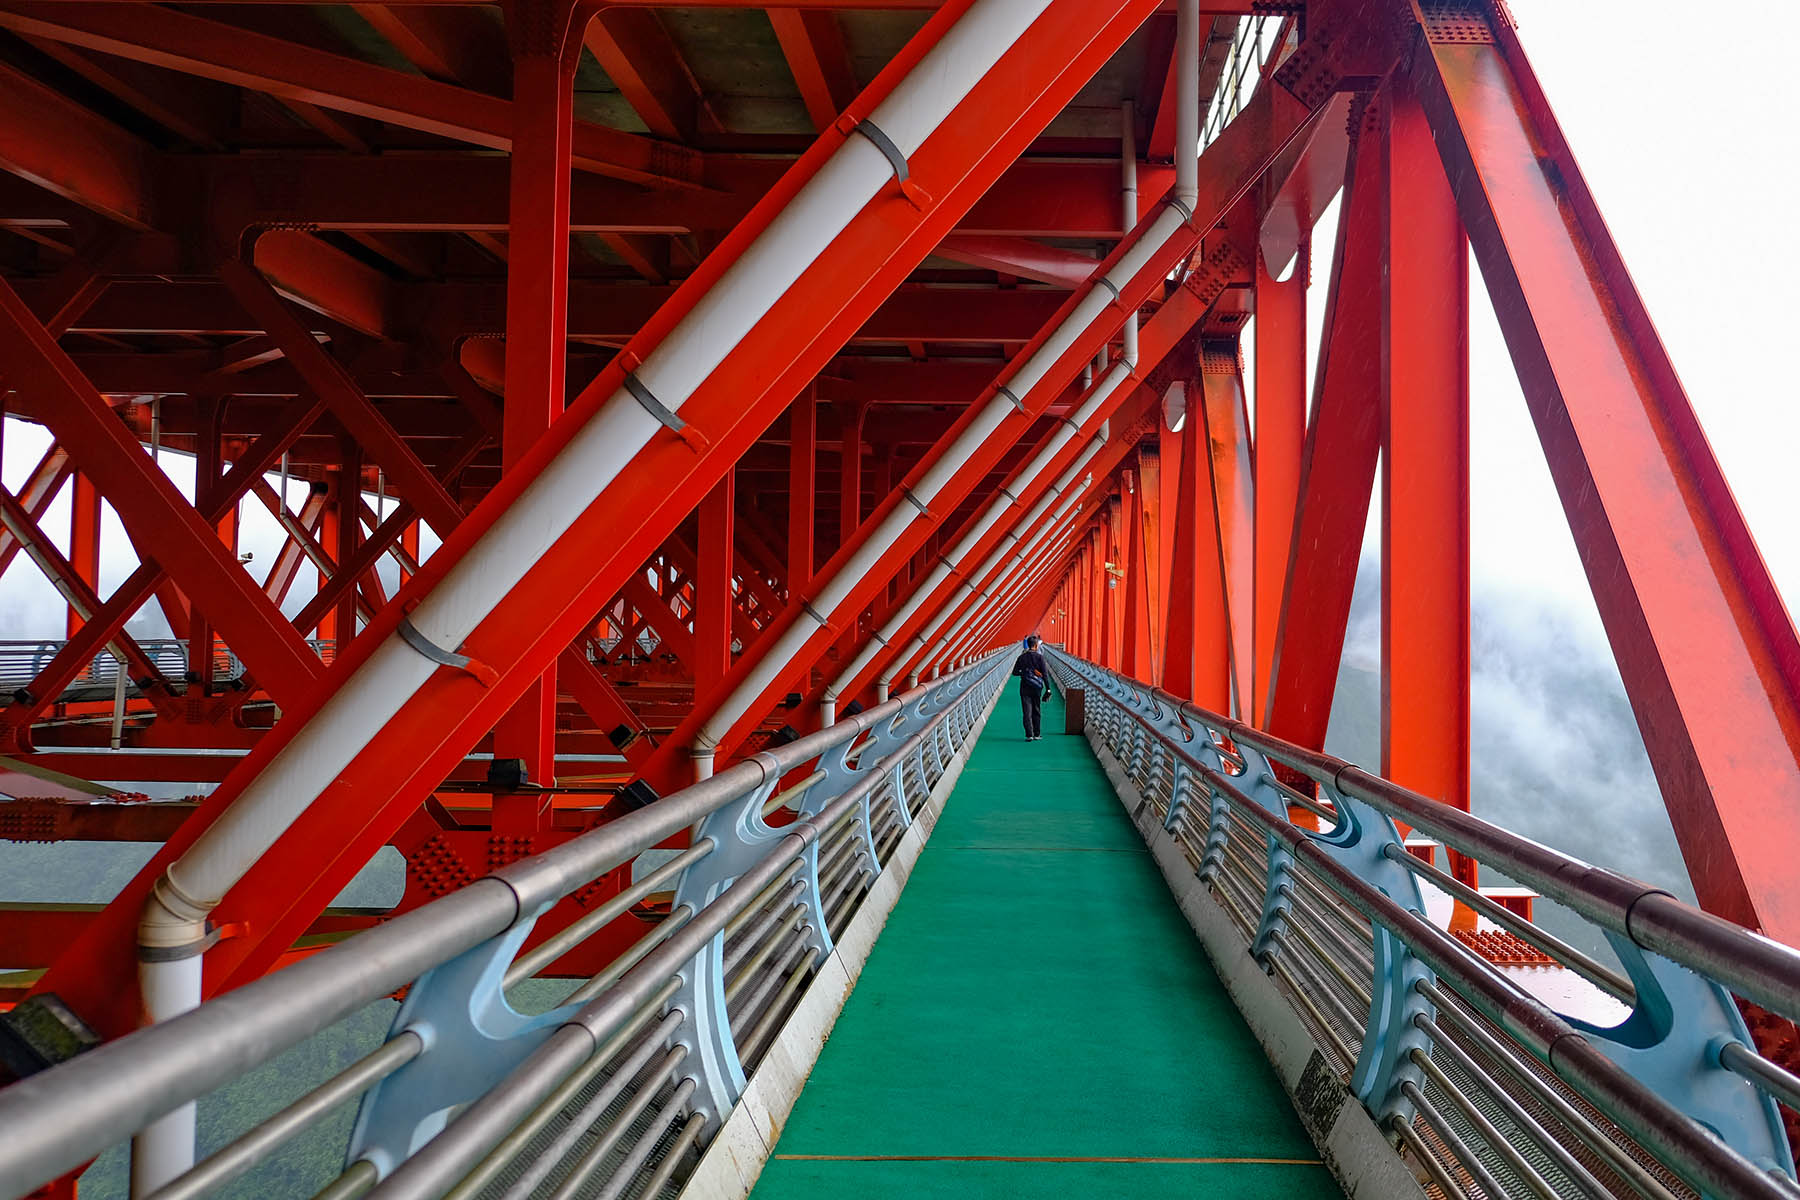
438	269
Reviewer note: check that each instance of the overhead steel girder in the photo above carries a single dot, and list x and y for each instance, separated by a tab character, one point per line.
1704	644
61	146
327	843
467	193
1271	123
330	282
214	50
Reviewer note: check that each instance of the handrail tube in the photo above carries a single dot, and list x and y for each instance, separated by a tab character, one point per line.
1756	967
174	916
57	1119
469	1136
1704	1159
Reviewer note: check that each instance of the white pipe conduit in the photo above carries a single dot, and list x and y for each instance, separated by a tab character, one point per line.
1101	294
1024	553
1062	489
1003	583
984	622
174	919
1007	497
1027	377
822	605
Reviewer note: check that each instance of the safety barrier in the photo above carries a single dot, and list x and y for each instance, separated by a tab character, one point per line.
1486	1089
20	662
613	1091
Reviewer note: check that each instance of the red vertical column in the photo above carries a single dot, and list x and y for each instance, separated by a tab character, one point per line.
546	50
348	502
803	476
327	534
84	541
712	588
1197	659
1168	499
850	472
1135	635
1424	472
1280	436
1118	593
209	464
1097	592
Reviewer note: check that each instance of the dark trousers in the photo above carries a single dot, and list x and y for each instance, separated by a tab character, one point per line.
1031	703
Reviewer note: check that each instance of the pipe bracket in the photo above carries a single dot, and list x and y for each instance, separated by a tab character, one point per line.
878	138
409	633
915	501
649	403
1011	395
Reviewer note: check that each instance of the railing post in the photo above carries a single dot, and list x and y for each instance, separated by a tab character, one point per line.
740	839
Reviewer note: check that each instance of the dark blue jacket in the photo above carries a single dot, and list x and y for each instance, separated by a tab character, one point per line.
1032	671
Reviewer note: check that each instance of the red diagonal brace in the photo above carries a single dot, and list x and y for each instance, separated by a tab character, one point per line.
153	512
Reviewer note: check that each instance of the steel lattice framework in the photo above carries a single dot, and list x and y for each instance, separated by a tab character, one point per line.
636	384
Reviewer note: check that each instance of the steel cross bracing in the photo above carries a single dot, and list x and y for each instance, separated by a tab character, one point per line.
682	427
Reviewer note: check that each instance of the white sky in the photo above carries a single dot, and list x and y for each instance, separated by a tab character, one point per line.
1692	181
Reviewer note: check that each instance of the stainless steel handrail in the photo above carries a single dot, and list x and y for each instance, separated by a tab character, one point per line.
61	1117
1128	719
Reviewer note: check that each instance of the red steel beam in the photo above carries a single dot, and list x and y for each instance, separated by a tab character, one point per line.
1337	471
638	55
1704	644
35	496
632	516
159	520
151	575
1019	256
1227	455
1279	443
1268	128
58	145
813	44
713	587
435	191
214	50
1424	472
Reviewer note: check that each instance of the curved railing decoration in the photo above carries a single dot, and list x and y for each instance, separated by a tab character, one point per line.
614	1089
1488	1089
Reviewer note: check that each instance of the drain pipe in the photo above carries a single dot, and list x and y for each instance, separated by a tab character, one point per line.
818	609
173	928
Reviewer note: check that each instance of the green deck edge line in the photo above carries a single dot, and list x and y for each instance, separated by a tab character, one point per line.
1034	1020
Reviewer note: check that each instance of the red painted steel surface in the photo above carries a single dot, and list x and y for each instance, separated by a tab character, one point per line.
412	262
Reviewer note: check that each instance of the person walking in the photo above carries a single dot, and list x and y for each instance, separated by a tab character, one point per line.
1034	681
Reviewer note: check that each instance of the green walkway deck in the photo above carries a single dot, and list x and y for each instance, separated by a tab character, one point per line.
1037	1020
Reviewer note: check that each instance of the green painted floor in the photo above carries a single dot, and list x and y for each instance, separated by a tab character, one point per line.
1037	1020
